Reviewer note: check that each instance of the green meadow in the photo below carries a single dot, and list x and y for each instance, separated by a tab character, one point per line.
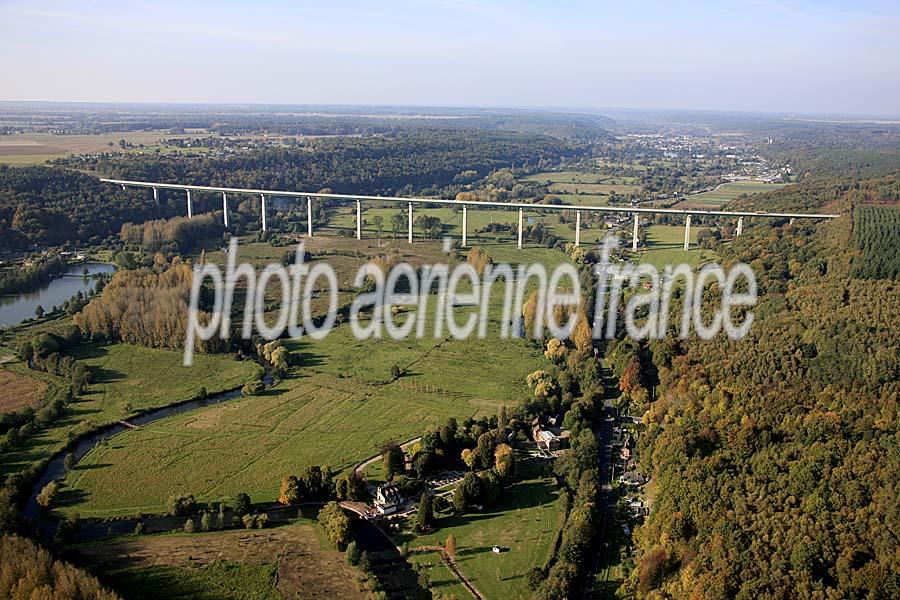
125	380
665	246
727	192
338	407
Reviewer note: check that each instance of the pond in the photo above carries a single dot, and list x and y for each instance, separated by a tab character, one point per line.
15	308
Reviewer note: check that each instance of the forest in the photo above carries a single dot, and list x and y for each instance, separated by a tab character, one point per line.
50	207
776	459
41	206
875	236
407	163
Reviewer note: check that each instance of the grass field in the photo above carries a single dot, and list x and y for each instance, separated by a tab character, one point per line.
524	524
573	184
593	188
127	379
726	193
292	561
665	246
338	408
579	177
584	199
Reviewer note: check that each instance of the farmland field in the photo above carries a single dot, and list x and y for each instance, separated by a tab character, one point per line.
524	524
34	148
575	183
18	390
237	564
338	407
726	193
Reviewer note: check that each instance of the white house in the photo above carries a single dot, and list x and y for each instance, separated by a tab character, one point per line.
388	499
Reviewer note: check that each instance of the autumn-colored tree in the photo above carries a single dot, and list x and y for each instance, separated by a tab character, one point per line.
582	336
469	457
289	493
505	460
556	351
450	546
479	259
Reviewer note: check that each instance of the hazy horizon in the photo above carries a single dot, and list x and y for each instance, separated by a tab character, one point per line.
752	56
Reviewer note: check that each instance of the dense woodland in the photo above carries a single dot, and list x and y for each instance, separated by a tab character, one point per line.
420	162
776	459
50	207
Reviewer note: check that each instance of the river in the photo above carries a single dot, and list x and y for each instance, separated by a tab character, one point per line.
15	308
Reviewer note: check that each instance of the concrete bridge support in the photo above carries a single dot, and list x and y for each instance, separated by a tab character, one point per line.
190	205
687	233
409	230
521	215
577	228
225	208
358	220
464	239
740	225
308	216
155	197
263	209
634	235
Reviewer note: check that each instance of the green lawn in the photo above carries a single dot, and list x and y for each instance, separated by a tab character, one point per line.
128	379
524	524
339	406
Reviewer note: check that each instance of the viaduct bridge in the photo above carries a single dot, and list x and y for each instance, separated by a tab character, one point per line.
464	204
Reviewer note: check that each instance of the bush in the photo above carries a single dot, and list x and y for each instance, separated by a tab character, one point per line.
352	554
179	505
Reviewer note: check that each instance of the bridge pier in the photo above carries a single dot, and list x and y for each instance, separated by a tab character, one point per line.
634	235
740	225
190	205
358	220
263	210
225	208
309	216
464	227
577	228
521	215
410	225
155	197
687	233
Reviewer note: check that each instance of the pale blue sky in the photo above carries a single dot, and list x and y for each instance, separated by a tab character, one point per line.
753	55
